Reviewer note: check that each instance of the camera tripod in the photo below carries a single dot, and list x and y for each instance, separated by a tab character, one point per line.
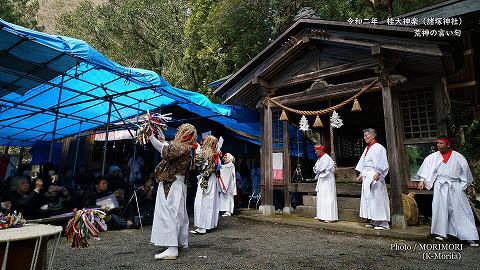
138	208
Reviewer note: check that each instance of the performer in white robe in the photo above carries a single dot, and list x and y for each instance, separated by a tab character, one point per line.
170	221
228	185
207	197
448	173
373	167
326	188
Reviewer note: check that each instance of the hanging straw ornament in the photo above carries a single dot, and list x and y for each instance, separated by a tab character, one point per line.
86	224
356	106
283	116
303	123
318	122
152	122
335	120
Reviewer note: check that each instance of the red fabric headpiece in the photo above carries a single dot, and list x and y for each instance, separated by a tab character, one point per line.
319	147
444	140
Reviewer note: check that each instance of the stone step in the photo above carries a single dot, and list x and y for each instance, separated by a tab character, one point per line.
342	202
345	175
305	211
343	214
309	200
348	203
350	215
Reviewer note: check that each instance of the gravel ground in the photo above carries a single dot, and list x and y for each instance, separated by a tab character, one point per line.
244	244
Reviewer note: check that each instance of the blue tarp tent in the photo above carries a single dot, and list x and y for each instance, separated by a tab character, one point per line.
54	86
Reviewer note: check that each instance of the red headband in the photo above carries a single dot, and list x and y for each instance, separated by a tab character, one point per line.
444	140
319	147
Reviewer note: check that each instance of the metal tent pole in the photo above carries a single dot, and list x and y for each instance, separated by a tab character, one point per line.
56	120
76	150
134	147
106	136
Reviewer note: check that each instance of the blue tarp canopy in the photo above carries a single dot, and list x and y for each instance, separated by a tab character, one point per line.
53	87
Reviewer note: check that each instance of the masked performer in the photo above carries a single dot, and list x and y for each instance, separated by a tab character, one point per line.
207	197
170	222
228	185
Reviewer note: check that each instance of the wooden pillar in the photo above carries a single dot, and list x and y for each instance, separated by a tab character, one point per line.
392	133
267	149
286	164
438	93
402	153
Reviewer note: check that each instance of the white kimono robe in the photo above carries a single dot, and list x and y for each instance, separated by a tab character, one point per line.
374	203
227	187
451	211
206	202
326	189
170	220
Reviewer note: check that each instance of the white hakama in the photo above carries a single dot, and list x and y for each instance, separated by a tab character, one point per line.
374	203
170	220
451	211
206	204
228	187
326	189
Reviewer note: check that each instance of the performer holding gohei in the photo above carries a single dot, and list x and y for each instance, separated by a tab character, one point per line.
227	185
207	197
373	167
326	190
448	173
170	222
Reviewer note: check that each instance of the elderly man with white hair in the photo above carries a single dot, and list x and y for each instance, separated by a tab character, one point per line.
373	167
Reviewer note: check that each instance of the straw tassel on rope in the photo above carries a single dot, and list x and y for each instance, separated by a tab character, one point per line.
327	110
318	122
356	106
283	116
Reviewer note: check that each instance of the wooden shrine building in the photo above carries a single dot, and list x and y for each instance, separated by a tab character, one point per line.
317	64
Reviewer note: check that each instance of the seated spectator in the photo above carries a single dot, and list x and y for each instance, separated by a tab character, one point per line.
58	198
135	166
101	190
48	174
26	201
83	177
146	199
5	205
66	180
116	181
75	191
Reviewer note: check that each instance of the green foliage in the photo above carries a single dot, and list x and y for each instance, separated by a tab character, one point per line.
21	12
405	6
138	33
194	42
413	153
471	150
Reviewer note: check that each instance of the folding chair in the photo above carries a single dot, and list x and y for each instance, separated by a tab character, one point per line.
256	195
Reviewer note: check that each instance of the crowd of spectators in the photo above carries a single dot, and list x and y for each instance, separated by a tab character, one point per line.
53	191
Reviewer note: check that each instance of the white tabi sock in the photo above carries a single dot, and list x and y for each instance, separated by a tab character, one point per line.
168	253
